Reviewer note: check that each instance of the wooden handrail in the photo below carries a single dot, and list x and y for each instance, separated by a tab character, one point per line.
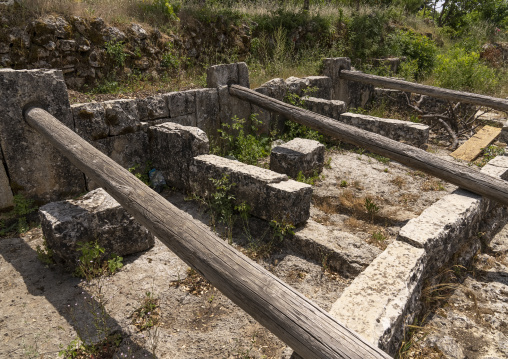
297	321
492	102
410	156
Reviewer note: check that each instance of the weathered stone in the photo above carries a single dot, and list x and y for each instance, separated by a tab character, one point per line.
6	197
35	168
207	110
122	116
322	86
415	134
344	252
383	297
184	120
328	108
296	85
225	75
127	150
298	155
181	103
89	119
152	108
270	195
277	89
231	106
172	148
67	45
138	32
94	217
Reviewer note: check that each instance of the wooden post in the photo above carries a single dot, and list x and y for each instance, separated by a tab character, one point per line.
416	158
482	100
297	321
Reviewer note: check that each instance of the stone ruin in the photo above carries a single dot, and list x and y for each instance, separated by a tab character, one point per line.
172	131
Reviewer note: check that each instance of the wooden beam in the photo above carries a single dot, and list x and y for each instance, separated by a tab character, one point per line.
413	157
297	321
452	95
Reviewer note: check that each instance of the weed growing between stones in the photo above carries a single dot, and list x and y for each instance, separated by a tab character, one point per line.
194	283
16	221
45	254
489	153
91	263
309	180
141	174
115	51
148	314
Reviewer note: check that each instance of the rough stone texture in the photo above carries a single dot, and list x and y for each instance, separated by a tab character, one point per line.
297	85
207	110
344	252
122	116
277	89
6	197
298	155
383	296
225	75
181	103
35	168
323	85
328	108
94	217
231	106
172	148
354	94
90	120
415	134
270	195
152	108
127	150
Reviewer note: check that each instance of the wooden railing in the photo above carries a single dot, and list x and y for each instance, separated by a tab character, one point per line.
410	156
297	321
459	96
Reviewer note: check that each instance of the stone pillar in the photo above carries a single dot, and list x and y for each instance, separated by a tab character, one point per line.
354	94
35	168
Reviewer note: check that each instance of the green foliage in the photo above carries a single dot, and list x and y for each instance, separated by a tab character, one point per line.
104	349
91	263
343	183
45	254
148	314
293	129
309	180
378	236
460	70
15	221
245	147
489	153
419	49
168	8
281	230
371	207
142	175
170	58
115	51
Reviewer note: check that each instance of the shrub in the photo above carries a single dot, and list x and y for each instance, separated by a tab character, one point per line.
461	70
115	51
417	47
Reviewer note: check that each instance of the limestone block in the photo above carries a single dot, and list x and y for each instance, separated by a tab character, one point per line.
207	110
172	148
185	120
94	217
296	85
270	195
415	134
127	150
345	253
322	85
122	116
331	68
181	103
35	168
6	197
231	106
225	75
277	89
90	120
328	108
298	155
152	108
383	297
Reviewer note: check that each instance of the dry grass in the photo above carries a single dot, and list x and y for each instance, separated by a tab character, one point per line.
432	185
399	181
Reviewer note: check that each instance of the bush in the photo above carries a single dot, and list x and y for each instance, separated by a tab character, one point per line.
461	70
416	47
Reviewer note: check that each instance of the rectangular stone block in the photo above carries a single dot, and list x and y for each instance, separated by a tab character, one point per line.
270	195
231	106
323	86
229	74
207	110
90	120
277	89
298	155
344	252
35	168
181	103
328	108
152	108
122	116
172	148
384	296
415	134
94	217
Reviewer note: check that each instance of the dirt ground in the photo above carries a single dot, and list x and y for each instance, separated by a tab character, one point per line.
43	308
